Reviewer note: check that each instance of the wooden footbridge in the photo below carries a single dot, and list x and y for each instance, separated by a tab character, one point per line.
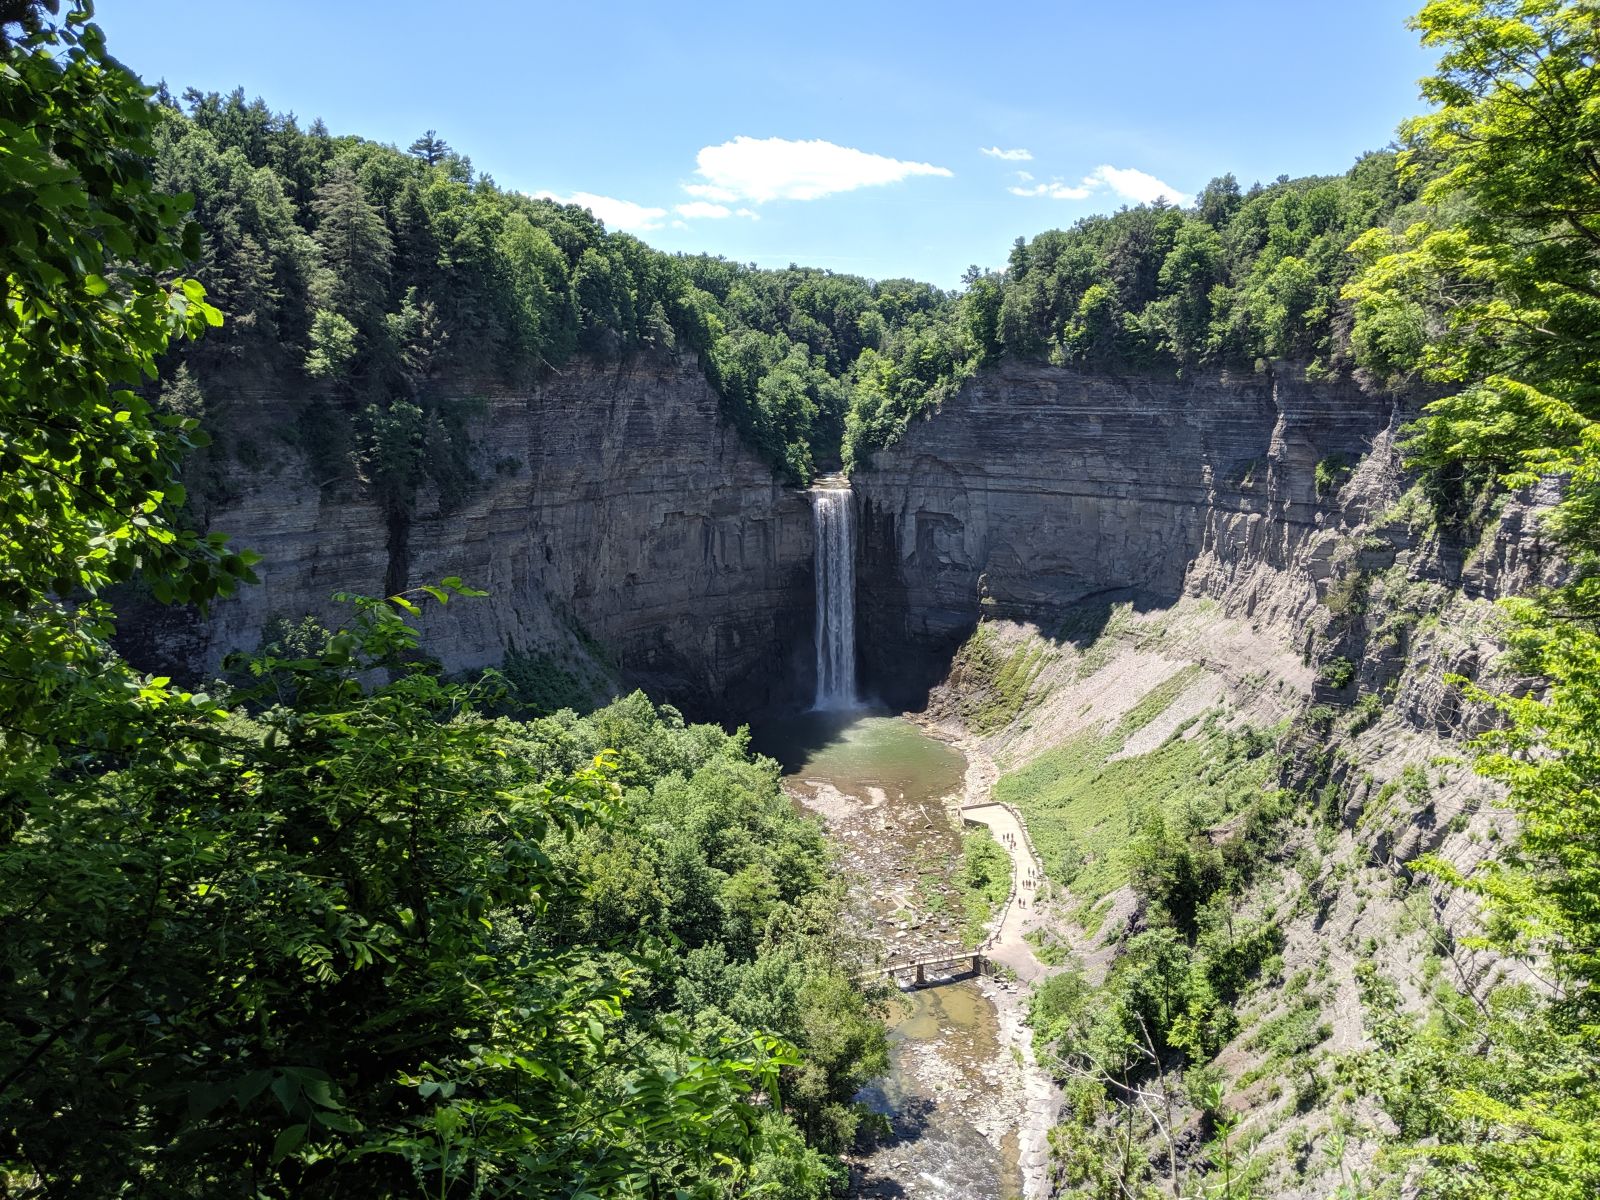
946	966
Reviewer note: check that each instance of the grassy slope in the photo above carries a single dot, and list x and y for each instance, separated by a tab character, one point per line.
1081	804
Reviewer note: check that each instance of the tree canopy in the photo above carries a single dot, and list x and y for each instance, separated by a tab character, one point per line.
1242	277
333	929
92	251
1490	291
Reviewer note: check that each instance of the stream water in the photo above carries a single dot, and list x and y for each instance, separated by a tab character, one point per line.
885	788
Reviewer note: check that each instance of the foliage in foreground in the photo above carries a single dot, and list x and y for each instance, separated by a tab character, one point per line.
346	936
89	250
1494	295
372	941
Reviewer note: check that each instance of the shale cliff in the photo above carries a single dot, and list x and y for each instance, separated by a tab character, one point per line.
1038	488
612	512
1221	601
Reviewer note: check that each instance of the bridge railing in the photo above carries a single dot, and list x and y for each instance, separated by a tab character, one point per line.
978	964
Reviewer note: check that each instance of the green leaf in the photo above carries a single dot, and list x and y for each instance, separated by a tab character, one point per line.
340	1122
287	1142
287	1091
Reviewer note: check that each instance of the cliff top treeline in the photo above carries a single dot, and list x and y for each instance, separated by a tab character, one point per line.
373	272
378	273
1242	276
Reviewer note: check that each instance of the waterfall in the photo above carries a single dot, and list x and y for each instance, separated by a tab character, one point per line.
833	512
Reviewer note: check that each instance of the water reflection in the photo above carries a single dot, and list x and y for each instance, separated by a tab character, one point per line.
855	751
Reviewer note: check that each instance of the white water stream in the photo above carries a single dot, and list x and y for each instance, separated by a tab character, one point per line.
833	511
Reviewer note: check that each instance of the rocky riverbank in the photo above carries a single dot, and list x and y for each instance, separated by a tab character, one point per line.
1040	1099
968	1110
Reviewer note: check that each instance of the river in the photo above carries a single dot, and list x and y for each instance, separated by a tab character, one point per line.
954	1095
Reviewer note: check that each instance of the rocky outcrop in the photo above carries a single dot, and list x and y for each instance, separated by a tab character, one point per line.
1248	553
1037	488
614	508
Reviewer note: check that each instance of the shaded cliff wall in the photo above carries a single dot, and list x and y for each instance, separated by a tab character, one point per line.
1037	488
1246	597
612	504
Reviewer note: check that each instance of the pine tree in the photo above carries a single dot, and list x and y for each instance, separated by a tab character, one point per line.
356	249
430	148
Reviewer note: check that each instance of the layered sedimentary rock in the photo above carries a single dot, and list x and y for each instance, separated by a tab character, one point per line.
613	506
1222	552
1037	488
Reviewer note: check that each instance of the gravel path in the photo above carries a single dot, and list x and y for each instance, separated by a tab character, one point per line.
1006	944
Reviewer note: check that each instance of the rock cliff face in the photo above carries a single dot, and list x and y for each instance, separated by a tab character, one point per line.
615	508
614	505
1244	552
1037	488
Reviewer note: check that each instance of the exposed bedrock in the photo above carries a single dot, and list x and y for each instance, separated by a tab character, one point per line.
1037	488
613	505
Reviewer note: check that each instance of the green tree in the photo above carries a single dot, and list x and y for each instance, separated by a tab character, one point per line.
346	916
430	148
1501	272
356	249
91	253
334	344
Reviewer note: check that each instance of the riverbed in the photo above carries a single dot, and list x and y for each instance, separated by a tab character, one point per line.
955	1095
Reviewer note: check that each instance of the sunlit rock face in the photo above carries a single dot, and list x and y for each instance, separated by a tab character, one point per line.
614	509
1037	488
615	513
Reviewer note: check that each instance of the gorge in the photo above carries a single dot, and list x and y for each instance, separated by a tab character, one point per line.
1051	551
493	707
1037	491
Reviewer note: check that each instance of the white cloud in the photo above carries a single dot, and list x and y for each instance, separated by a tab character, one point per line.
709	192
703	208
1056	191
1025	176
762	169
618	214
1017	155
1125	182
1136	185
706	210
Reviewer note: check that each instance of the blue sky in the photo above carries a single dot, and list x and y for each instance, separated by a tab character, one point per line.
844	135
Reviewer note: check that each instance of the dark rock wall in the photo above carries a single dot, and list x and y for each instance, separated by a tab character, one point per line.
615	507
613	503
1037	488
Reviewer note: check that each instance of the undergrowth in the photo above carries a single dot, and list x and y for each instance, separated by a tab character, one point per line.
985	881
996	686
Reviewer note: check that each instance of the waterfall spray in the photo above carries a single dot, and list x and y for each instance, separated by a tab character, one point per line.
833	511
